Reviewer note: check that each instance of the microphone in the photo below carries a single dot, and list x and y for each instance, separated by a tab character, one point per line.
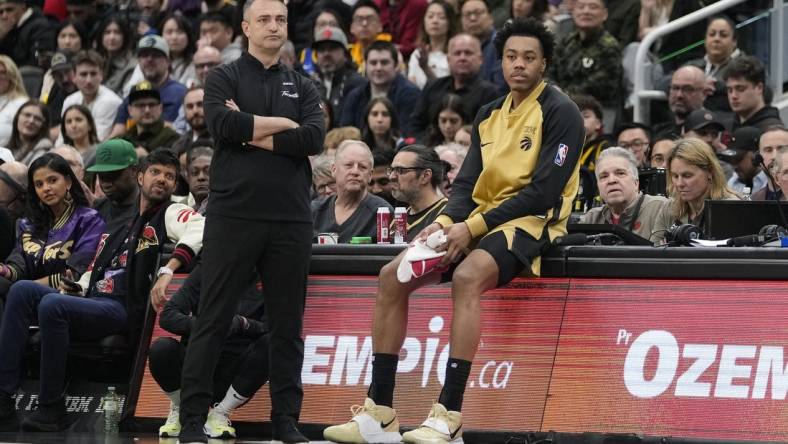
751	240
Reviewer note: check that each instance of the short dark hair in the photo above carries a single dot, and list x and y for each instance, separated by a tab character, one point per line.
634	125
365	4
382	45
486	4
383	157
527	27
586	102
428	159
216	16
725	18
745	67
88	56
161	156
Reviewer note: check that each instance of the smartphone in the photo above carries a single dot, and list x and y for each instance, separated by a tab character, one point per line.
71	285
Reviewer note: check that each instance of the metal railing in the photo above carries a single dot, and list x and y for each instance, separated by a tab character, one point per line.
642	95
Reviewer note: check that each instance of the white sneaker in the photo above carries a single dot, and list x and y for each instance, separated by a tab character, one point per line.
172	427
218	426
441	427
371	423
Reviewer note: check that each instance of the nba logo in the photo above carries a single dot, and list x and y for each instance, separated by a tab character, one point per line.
560	156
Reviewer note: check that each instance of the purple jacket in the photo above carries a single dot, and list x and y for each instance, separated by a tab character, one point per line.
71	242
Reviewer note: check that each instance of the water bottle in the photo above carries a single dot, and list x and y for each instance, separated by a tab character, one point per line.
110	403
746	192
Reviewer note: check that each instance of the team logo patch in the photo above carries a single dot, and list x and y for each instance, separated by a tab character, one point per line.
147	239
185	215
560	156
526	143
105	286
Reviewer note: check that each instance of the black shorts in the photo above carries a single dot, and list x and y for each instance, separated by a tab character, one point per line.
511	261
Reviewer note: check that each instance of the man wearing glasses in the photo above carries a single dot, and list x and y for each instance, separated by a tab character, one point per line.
687	94
366	28
636	138
149	131
352	211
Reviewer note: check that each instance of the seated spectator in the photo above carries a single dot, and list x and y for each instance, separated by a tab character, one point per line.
101	101
12	96
322	178
366	29
477	20
337	136
687	93
177	32
781	171
417	175
383	80
381	129
60	232
199	175
13	189
70	38
242	367
618	183
30	133
79	130
741	154
772	141
380	184
352	211
636	138
114	40
105	305
149	131
454	155
706	126
62	69
194	114
694	175
74	160
428	61
154	64
116	168
745	79
660	151
325	18
333	69
588	60
595	141
537	9
216	29
447	121
465	59
720	43
205	59
25	30
463	136
402	19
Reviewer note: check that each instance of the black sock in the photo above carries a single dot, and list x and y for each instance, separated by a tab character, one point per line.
457	372
384	370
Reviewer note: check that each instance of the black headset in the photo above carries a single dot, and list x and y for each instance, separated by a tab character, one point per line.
772	232
682	234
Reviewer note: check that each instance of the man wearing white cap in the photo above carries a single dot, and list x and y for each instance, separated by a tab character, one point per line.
154	62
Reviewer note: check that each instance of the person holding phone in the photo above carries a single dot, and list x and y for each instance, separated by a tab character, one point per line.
60	232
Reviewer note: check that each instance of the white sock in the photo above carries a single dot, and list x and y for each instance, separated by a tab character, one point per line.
175	398
232	400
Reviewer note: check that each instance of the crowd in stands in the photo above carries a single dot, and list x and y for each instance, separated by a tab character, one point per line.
102	122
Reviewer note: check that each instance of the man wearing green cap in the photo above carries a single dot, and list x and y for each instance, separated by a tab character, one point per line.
116	167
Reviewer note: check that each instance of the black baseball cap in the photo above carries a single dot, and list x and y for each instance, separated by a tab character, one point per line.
701	118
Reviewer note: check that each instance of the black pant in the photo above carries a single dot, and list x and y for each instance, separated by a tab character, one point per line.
280	251
245	368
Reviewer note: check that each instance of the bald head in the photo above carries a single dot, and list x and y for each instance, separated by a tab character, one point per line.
465	56
686	91
17	171
73	158
204	59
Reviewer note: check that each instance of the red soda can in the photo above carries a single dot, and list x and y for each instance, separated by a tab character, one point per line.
400	225
384	219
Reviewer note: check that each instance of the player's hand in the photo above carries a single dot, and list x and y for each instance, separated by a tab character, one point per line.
157	293
68	284
458	237
429	229
230	103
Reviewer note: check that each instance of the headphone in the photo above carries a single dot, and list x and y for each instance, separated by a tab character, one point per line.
682	234
772	232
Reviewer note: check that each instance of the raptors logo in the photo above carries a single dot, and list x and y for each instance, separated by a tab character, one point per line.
526	143
148	239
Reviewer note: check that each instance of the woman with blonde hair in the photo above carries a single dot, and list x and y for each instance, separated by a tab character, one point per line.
694	175
12	97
